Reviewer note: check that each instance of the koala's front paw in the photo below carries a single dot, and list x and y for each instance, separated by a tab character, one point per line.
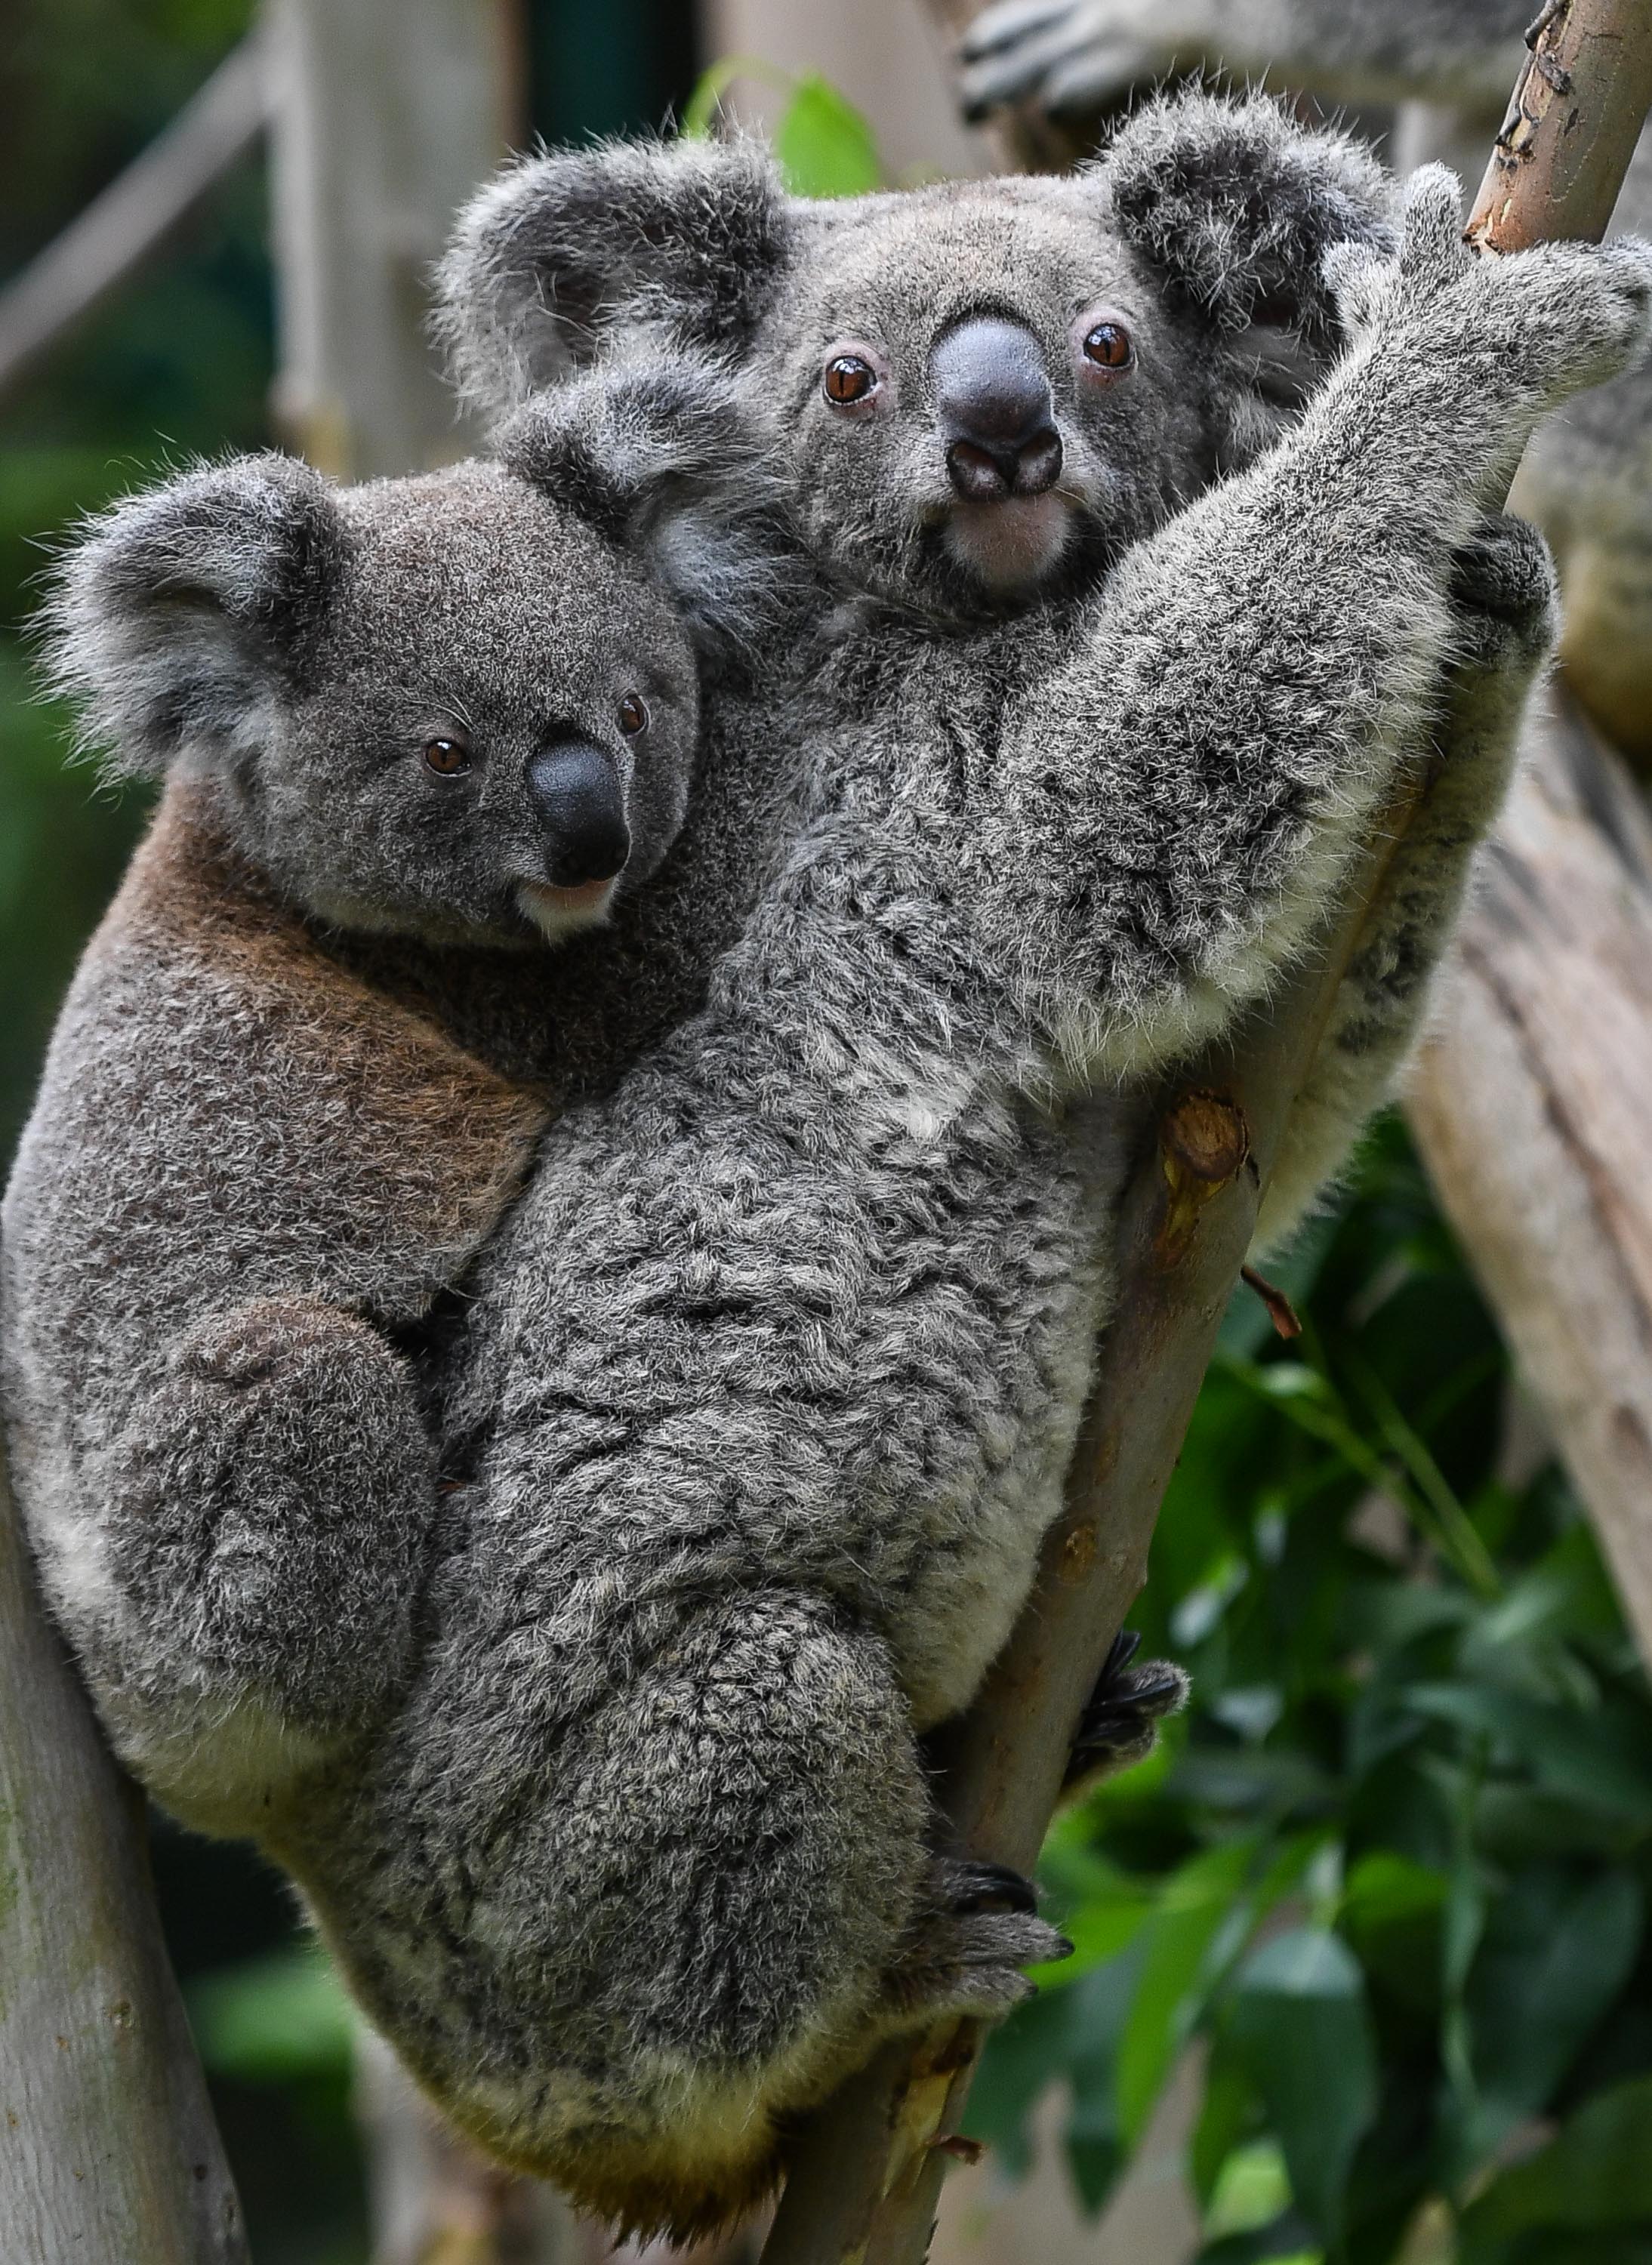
1120	1723
1526	327
1504	597
1072	57
976	1928
271	1507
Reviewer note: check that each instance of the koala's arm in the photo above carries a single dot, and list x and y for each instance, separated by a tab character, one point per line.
1177	803
1079	56
245	1175
1504	616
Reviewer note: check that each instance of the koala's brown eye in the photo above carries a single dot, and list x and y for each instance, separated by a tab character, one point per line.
848	378
633	715
1107	345
446	757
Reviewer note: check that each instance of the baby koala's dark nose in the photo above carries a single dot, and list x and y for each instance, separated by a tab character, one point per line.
576	790
995	411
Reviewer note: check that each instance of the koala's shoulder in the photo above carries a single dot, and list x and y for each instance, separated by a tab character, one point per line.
217	1073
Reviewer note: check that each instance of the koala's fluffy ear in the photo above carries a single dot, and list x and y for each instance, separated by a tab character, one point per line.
669	456
179	613
1237	205
557	256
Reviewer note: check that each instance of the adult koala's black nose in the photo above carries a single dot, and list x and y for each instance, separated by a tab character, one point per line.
995	409
576	790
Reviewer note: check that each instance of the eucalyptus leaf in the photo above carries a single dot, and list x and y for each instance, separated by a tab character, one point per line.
1299	2021
1597	2174
1558	1947
823	145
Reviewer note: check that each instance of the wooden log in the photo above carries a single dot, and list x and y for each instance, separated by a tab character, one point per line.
108	2152
1533	1107
864	2175
385	121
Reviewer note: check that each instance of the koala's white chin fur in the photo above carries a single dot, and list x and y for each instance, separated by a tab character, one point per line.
1012	544
558	913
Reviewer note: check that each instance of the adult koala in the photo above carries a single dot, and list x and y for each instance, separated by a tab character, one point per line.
448	714
1448	65
768	1384
959	444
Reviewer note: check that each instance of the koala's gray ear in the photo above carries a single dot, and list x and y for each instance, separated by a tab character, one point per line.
1236	205
670	457
560	253
179	613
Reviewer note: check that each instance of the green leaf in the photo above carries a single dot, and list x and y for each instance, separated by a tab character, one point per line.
1557	1949
1597	2173
1585	1757
1095	2139
825	146
1178	1967
275	2019
1023	2055
1251	2190
1299	2021
1231	2114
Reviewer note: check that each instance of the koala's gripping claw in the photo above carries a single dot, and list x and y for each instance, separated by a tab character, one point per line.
1522	330
1120	1724
975	1928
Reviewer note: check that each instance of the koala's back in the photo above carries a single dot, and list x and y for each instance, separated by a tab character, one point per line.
226	1113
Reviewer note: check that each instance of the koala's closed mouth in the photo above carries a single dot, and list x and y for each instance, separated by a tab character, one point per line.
1013	543
556	912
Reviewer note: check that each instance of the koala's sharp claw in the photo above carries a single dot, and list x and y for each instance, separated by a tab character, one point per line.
976	1887
1120	1723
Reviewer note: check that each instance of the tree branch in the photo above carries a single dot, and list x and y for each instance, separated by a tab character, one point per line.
1531	1107
864	2176
108	2152
124	226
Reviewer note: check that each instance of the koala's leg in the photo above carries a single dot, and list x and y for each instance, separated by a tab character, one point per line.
664	1926
269	1511
1177	805
1502	601
1075	57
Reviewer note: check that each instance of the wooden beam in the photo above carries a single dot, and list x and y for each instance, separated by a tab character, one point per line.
386	119
108	2152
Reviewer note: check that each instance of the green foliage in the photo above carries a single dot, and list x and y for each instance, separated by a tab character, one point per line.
1390	1869
823	145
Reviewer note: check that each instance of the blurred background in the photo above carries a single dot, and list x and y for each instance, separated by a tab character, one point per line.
1362	1969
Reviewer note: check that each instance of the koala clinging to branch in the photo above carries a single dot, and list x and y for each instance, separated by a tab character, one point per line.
768	1381
956	444
445	712
1449	65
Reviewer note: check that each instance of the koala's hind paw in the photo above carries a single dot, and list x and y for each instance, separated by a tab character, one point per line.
976	1928
1503	594
1120	1724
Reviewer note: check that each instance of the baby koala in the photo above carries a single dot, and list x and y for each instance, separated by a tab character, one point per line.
447	709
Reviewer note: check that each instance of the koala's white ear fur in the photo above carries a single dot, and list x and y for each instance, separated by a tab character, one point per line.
559	254
1237	205
177	611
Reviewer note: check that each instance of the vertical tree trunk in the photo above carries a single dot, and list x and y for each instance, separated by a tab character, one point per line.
1531	1106
108	2152
387	114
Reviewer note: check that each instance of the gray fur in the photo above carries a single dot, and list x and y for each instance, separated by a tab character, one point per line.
252	1170
756	1474
764	1388
1450	65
